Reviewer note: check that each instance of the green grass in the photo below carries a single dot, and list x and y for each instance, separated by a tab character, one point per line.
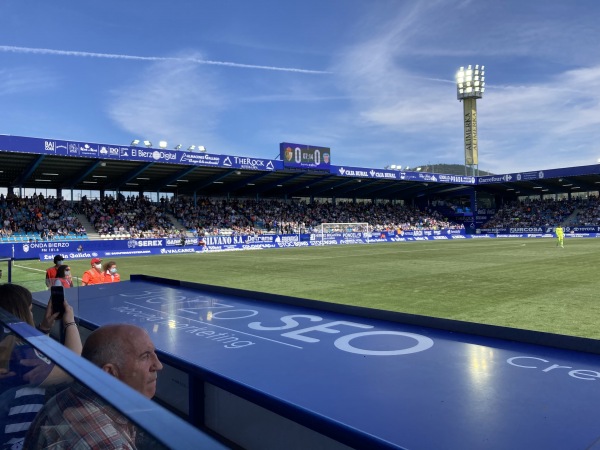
522	283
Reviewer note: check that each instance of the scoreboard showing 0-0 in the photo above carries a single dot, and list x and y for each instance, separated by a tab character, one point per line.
305	156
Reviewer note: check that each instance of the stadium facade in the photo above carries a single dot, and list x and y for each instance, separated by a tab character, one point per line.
75	168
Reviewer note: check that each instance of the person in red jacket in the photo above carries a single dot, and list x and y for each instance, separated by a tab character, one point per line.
110	274
51	272
94	275
63	277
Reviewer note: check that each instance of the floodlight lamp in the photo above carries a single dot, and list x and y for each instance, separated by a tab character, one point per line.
135	142
418	169
191	148
201	148
393	167
148	144
162	144
177	147
470	82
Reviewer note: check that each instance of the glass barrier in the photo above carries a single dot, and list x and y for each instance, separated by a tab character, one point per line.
5	269
49	394
13	272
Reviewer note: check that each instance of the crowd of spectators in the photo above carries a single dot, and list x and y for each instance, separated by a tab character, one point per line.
537	213
212	216
589	214
138	217
39	217
275	216
132	216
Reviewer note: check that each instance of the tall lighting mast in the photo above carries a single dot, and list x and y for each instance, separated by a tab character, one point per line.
470	85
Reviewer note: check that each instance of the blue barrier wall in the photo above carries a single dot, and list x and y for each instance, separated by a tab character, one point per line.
365	378
87	249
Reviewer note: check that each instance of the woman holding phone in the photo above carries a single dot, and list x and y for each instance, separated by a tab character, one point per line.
25	374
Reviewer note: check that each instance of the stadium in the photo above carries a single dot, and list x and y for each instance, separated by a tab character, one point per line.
207	240
408	253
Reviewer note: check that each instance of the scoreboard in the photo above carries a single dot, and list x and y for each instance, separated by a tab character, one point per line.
305	156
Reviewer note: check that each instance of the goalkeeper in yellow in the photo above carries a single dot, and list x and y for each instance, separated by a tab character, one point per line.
560	236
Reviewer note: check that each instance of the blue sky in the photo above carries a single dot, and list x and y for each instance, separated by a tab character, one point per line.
372	79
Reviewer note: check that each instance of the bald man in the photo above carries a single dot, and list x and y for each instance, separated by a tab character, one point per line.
76	417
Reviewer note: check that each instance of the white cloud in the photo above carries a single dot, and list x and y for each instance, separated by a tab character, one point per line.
174	100
544	123
550	124
23	80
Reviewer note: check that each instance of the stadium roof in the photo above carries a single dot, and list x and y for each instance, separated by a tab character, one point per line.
58	172
559	185
22	168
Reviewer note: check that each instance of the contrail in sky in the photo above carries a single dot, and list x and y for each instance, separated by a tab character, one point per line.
47	51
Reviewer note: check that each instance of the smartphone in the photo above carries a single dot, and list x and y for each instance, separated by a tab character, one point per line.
57	297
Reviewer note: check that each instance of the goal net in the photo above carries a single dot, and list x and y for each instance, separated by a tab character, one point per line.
339	227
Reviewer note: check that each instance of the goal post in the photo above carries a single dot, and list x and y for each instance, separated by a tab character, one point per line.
343	227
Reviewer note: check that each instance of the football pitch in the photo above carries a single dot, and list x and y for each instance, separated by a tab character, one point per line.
521	283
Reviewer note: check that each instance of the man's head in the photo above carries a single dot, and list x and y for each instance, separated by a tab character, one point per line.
58	260
96	263
126	352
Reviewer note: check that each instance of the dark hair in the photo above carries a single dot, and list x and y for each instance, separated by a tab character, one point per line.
58	258
16	300
109	264
60	272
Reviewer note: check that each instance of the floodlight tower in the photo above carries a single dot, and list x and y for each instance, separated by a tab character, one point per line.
470	84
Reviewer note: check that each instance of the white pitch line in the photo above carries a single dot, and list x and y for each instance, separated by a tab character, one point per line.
38	270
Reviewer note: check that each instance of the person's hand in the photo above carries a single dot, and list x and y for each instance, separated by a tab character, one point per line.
49	317
69	315
38	373
5	373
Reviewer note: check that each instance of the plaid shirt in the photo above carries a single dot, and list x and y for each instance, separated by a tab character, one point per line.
77	419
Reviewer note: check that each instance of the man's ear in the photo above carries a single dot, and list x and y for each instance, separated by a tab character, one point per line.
111	369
